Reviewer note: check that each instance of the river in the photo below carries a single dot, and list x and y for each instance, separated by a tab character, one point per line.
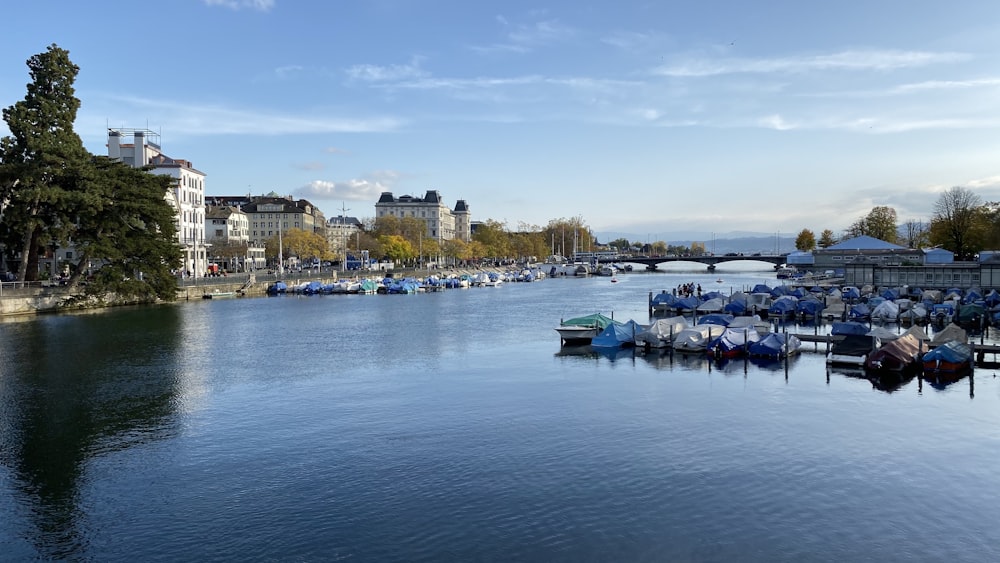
450	426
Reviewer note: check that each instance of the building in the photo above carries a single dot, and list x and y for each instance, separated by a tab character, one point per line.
442	223
267	214
227	230
340	231
186	196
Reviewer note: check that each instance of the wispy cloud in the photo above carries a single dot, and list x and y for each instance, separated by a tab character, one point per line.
202	120
845	60
524	38
634	41
259	5
287	71
390	73
310	166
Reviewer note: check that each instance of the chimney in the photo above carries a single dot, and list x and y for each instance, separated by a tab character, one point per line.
139	158
114	144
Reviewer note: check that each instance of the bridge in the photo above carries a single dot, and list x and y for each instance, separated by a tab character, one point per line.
707	259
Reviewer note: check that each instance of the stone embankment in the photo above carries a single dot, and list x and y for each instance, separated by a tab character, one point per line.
29	299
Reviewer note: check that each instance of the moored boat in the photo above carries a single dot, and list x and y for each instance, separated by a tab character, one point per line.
582	330
951	357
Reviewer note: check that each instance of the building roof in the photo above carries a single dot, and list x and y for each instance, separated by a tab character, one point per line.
864	242
341	220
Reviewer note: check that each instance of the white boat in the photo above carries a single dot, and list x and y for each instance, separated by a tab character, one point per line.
661	333
218	294
696	338
581	330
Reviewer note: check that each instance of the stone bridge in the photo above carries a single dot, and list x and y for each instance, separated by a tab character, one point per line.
709	260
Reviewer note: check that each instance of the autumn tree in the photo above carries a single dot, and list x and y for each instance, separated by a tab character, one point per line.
41	161
806	240
955	213
299	243
396	248
492	235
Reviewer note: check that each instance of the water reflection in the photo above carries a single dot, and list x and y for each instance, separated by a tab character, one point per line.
601	353
83	386
887	382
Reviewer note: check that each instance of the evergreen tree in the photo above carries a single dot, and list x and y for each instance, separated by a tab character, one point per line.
126	227
41	161
826	239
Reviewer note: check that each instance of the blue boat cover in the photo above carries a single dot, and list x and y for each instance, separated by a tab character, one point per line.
848	327
952	351
616	335
715	319
775	345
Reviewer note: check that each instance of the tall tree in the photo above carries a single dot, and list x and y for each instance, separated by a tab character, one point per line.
826	239
915	233
955	214
41	160
881	223
124	232
806	240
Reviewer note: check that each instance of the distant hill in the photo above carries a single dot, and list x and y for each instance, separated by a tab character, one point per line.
746	243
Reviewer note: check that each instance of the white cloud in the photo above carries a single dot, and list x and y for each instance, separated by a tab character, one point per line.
524	38
846	60
259	5
349	190
195	120
391	73
776	122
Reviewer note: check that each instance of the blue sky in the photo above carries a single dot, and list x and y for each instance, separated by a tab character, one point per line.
645	117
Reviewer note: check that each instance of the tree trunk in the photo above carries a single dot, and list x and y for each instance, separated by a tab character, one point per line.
28	270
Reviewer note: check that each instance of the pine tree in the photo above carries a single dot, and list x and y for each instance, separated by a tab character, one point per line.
40	161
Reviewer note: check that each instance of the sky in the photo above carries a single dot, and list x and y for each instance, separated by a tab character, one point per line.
649	118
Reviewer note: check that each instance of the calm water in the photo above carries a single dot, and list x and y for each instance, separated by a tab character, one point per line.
451	427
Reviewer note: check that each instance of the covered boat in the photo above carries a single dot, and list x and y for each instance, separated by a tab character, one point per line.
899	355
732	343
885	312
696	338
852	350
951	357
661	333
581	330
776	345
783	307
617	335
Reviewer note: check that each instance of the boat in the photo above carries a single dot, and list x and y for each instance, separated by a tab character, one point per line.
775	345
617	335
899	355
785	272
952	357
277	288
660	334
852	350
732	343
581	330
696	338
218	294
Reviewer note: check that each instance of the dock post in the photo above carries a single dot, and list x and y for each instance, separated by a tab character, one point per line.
650	303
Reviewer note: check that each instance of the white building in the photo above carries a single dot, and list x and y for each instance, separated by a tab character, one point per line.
442	223
187	195
227	230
